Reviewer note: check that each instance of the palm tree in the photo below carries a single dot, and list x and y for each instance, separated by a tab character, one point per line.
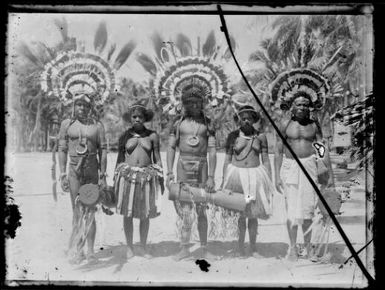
41	109
327	44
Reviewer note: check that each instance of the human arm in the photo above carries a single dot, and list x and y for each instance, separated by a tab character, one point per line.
326	158
156	149
278	157
156	155
171	149
121	147
63	152
212	155
265	154
229	155
102	152
226	163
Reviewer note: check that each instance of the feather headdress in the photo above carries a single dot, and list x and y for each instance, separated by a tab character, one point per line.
176	66
74	71
299	82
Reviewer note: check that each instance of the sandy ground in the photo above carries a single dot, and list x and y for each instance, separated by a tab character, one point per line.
36	255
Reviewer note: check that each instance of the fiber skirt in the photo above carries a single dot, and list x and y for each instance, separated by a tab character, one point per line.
256	186
138	190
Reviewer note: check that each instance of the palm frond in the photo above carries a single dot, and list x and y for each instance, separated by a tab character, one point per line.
265	43
332	59
258	55
27	53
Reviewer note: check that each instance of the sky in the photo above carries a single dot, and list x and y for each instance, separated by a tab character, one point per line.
247	30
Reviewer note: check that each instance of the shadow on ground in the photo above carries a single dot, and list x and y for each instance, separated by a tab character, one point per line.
116	255
225	250
356	219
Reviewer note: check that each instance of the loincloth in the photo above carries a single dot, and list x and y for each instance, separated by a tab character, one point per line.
192	170
301	198
138	190
256	186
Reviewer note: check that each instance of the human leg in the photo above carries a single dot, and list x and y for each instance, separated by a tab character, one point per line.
292	230
91	242
202	224
202	229
252	225
144	226
307	238
128	232
74	184
242	233
185	213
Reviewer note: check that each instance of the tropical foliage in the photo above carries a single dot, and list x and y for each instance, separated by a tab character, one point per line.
38	114
327	44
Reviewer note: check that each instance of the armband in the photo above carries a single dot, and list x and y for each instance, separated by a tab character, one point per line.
103	146
211	141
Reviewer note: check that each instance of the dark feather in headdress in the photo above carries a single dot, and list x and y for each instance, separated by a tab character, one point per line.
147	63
101	36
209	47
111	51
48	50
183	43
157	42
124	54
62	25
227	54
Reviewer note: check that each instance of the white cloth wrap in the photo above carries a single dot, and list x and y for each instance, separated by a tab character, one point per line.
301	198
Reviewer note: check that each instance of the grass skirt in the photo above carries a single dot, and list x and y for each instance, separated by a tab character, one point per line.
138	190
256	186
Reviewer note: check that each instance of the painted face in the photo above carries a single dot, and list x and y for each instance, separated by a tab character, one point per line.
301	108
82	108
246	121
193	106
137	120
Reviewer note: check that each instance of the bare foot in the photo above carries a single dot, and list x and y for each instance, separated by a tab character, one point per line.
91	258
77	258
184	253
129	253
145	252
240	253
292	255
206	254
257	255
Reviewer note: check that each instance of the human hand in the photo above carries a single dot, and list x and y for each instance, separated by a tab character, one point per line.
210	185
103	182
170	178
279	184
64	183
330	183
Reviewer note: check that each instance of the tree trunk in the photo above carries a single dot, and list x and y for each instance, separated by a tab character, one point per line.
35	134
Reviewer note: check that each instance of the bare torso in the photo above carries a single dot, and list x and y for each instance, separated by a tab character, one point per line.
138	151
246	152
79	132
300	137
189	128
